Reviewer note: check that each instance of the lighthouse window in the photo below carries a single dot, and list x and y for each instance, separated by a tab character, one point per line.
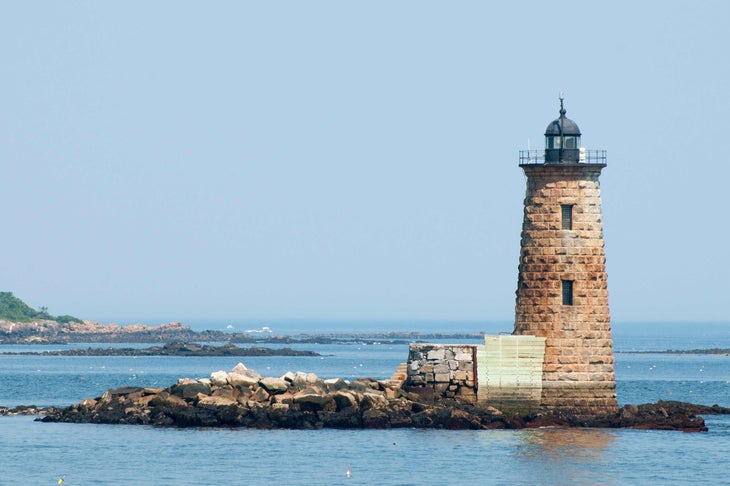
570	142
567	292
567	213
553	142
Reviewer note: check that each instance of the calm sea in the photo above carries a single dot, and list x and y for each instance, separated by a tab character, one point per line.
37	453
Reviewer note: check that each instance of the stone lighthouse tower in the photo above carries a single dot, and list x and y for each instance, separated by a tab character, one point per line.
562	293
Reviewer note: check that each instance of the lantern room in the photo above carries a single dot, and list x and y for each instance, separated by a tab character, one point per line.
562	140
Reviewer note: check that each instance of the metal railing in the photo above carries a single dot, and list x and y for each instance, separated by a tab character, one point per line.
587	157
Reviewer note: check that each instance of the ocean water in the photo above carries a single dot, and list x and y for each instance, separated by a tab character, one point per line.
38	453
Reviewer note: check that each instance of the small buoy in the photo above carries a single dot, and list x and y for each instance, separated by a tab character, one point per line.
347	474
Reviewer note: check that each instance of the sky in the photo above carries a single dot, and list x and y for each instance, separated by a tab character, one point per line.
258	161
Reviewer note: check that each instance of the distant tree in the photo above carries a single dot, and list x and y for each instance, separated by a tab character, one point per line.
15	310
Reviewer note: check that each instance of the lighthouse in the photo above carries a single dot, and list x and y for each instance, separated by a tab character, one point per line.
562	292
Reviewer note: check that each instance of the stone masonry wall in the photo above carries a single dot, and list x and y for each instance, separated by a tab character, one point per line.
578	372
442	371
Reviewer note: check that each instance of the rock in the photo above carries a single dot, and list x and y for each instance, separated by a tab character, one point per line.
219	378
188	390
344	400
283	398
628	412
274	385
375	419
335	384
299	379
88	403
436	355
314	402
294	402
239	368
215	401
144	401
246	372
494	411
244	380
373	401
227	392
289	376
278	411
260	395
165	399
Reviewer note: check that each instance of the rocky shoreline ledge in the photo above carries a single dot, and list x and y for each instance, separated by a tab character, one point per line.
52	332
243	398
173	349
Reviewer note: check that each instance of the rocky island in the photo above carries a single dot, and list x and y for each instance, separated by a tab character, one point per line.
172	349
22	324
243	398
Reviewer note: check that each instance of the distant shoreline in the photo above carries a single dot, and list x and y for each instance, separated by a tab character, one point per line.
48	332
173	349
185	334
253	340
708	351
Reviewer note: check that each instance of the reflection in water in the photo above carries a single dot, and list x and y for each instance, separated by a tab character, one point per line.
557	442
564	454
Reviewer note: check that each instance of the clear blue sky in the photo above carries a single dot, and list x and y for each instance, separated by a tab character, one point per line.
351	160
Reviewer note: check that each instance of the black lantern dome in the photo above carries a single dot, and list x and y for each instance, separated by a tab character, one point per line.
562	140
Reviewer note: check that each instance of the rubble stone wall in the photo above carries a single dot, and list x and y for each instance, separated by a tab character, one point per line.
442	371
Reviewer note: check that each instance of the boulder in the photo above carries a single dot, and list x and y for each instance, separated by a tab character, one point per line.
243	379
189	390
314	402
456	419
274	386
239	368
344	400
144	401
219	378
88	403
299	378
126	390
260	395
373	401
242	370
335	384
227	392
215	401
278	411
289	376
165	399
286	398
375	419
